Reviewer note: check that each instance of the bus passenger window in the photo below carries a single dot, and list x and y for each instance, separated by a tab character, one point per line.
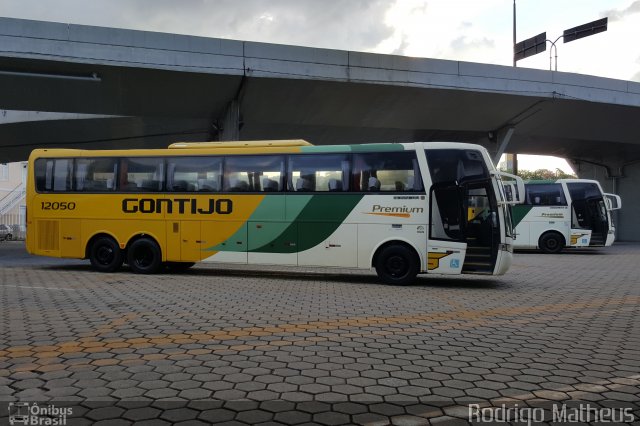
253	173
386	172
95	174
43	177
318	173
140	174
62	173
189	174
545	194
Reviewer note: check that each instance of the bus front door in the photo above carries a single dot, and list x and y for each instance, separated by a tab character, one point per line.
446	246
482	233
591	213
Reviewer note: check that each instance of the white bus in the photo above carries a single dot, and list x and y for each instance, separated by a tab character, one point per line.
564	213
401	208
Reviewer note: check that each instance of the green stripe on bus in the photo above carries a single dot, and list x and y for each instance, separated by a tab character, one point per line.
519	212
321	216
270	220
377	147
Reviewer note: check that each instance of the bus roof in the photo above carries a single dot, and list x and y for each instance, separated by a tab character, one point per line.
246	147
240	144
565	180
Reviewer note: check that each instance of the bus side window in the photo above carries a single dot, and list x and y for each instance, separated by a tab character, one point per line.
188	174
62	174
545	194
95	174
43	179
318	173
141	174
254	173
386	172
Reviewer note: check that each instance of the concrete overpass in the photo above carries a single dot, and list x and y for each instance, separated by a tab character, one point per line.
93	87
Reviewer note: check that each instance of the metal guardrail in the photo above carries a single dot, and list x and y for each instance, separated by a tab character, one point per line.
12	199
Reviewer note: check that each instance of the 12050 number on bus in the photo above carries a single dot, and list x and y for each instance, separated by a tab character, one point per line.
63	205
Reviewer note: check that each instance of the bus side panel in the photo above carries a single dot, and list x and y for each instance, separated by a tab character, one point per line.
272	243
272	231
523	236
224	241
71	239
338	249
540	227
533	221
190	241
580	237
372	236
174	242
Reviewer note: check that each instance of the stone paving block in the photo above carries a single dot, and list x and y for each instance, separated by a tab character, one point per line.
280	346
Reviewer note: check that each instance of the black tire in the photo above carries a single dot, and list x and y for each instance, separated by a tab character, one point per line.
144	256
551	243
397	265
179	266
9	237
105	254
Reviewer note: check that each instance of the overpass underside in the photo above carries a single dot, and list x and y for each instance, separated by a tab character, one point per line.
136	89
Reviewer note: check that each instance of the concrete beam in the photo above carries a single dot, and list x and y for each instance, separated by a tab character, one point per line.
503	139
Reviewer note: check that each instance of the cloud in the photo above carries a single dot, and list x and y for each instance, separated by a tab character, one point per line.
463	44
618	15
340	24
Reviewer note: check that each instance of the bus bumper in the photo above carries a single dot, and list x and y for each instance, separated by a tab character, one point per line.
504	259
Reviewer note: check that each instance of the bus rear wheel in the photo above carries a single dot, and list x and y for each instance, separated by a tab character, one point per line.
397	264
105	254
144	256
551	243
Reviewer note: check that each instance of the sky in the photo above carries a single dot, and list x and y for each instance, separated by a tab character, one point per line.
464	30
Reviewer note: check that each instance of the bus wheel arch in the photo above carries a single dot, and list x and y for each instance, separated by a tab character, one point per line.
551	242
144	254
104	253
396	262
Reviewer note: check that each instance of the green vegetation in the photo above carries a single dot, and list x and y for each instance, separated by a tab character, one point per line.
544	174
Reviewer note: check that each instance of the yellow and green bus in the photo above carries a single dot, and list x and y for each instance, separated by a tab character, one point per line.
401	208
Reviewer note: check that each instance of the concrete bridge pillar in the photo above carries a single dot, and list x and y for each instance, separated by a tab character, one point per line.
229	129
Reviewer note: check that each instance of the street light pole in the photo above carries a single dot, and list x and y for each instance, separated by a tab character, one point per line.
514	31
554	47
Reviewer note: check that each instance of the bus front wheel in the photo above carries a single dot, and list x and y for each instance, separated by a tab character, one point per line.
105	254
397	264
551	243
144	256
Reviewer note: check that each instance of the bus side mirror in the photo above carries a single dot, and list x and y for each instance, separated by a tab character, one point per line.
512	188
613	201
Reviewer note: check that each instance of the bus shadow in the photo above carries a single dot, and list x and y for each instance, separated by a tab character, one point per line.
350	278
434	281
578	251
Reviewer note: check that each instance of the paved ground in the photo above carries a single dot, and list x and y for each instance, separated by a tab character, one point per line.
286	346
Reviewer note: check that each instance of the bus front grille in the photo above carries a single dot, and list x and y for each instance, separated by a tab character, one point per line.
48	235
